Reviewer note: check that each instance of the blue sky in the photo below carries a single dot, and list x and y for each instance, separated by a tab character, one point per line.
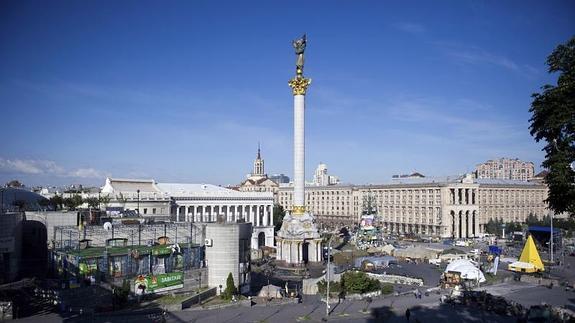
182	91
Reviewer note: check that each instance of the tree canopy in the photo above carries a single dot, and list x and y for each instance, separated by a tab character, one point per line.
278	215
230	288
553	120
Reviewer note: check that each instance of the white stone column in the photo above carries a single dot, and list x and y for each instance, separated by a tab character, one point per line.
177	212
271	215
299	250
186	213
299	150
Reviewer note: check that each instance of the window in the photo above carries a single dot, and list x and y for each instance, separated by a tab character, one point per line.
145	211
154	211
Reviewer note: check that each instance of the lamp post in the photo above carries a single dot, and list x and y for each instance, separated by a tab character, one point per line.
551	241
138	191
200	288
327	275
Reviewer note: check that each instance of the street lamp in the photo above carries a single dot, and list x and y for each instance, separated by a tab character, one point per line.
138	201
200	288
2	202
327	273
551	241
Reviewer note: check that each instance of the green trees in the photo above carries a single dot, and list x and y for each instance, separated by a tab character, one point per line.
56	202
357	282
493	226
120	295
93	202
14	183
279	214
553	120
230	288
369	204
353	282
104	201
73	202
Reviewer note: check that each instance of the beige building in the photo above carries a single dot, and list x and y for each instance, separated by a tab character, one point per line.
506	168
457	206
258	180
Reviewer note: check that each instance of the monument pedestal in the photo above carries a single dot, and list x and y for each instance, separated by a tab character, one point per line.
298	240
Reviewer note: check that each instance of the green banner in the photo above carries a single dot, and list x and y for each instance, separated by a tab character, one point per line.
159	283
161	250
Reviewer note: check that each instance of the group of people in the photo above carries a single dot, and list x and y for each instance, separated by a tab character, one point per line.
417	293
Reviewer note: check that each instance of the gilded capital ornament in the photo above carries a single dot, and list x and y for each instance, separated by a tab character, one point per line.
299	85
298	209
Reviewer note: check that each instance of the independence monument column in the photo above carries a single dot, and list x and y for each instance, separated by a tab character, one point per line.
298	240
299	86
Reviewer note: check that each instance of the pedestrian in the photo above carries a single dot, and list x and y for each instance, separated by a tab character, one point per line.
407	314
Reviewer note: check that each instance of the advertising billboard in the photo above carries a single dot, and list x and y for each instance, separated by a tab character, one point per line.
158	283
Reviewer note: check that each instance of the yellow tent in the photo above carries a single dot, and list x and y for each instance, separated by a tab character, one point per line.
529	261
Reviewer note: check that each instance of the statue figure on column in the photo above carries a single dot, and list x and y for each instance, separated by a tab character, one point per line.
299	46
299	84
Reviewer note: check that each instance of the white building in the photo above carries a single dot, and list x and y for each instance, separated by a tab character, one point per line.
506	168
322	178
140	195
211	203
201	203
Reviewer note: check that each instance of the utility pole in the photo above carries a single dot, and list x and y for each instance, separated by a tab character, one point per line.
138	202
327	275
551	241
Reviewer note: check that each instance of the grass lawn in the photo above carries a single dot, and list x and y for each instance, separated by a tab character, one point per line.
170	300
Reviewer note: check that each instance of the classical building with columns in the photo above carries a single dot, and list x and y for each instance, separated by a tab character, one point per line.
202	203
210	203
453	206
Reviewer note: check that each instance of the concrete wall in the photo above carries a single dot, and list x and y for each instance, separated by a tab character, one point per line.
230	242
11	245
52	219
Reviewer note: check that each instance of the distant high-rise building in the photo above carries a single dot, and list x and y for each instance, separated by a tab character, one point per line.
506	168
280	178
321	178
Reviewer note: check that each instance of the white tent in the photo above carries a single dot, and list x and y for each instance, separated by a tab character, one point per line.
521	266
271	291
466	269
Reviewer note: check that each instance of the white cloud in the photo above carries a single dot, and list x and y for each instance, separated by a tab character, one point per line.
44	167
86	173
476	55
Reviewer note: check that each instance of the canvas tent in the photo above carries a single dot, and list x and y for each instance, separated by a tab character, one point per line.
466	269
416	253
529	261
376	262
271	291
387	249
452	254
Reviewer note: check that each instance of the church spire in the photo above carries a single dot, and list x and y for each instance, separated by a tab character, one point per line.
259	164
